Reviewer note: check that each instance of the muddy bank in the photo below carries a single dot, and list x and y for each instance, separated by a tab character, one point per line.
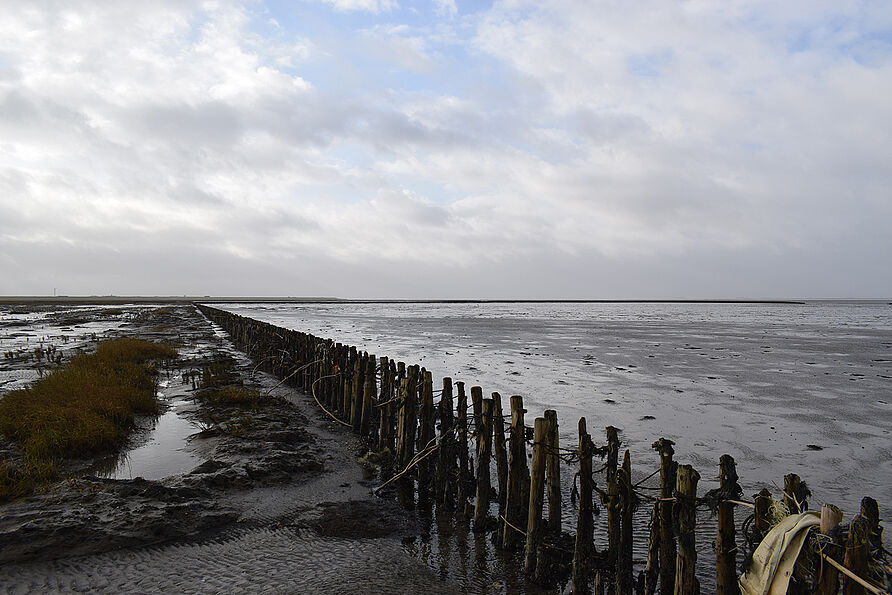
276	501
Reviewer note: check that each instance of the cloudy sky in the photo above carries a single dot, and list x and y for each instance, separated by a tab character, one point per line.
400	148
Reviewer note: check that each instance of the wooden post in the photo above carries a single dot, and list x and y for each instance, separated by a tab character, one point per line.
517	504
726	539
652	567
356	392
446	470
553	472
828	581
484	454
794	498
368	392
426	437
501	454
537	495
477	406
667	536
762	502
613	517
686	562
624	551
584	520
863	529
408	420
463	463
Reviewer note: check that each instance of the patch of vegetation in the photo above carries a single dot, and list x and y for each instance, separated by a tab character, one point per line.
230	395
85	407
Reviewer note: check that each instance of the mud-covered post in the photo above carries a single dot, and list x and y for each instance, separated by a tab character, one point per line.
385	421
613	516
726	539
828	580
762	505
667	536
553	473
686	561
426	437
624	551
484	454
446	470
501	455
584	520
537	496
356	391
517	503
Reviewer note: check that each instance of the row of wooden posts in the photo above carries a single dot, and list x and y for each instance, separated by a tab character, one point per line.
392	406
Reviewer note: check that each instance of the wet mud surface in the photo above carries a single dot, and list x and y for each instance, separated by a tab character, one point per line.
275	502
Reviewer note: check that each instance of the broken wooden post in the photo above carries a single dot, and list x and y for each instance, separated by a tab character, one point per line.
761	522
686	561
517	504
667	535
624	551
726	539
553	473
863	529
484	454
537	495
426	439
501	455
584	520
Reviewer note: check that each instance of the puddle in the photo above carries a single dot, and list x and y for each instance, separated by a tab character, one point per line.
163	455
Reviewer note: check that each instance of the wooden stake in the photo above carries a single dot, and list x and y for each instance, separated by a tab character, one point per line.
537	495
426	436
584	520
726	539
624	553
463	462
517	505
667	535
613	517
553	472
686	562
501	454
484	454
828	580
446	470
652	567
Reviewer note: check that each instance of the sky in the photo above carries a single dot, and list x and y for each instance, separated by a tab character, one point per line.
447	149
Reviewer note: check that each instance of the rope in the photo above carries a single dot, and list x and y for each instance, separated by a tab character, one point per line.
321	406
415	460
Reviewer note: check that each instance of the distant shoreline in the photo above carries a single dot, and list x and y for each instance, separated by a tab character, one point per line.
118	300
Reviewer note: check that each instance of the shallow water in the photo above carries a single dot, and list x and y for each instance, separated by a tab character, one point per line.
764	383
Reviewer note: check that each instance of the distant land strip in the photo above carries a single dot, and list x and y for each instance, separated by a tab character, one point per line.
117	300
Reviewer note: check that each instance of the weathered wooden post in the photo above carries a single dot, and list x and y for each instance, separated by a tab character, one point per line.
624	551
726	540
686	561
358	383
517	504
828	581
477	406
408	420
464	464
794	495
537	496
613	516
863	529
501	454
446	470
652	566
584	520
667	536
553	472
761	522
385	423
426	437
484	454
368	392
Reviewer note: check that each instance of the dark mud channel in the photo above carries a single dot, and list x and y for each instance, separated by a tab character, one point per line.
275	500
